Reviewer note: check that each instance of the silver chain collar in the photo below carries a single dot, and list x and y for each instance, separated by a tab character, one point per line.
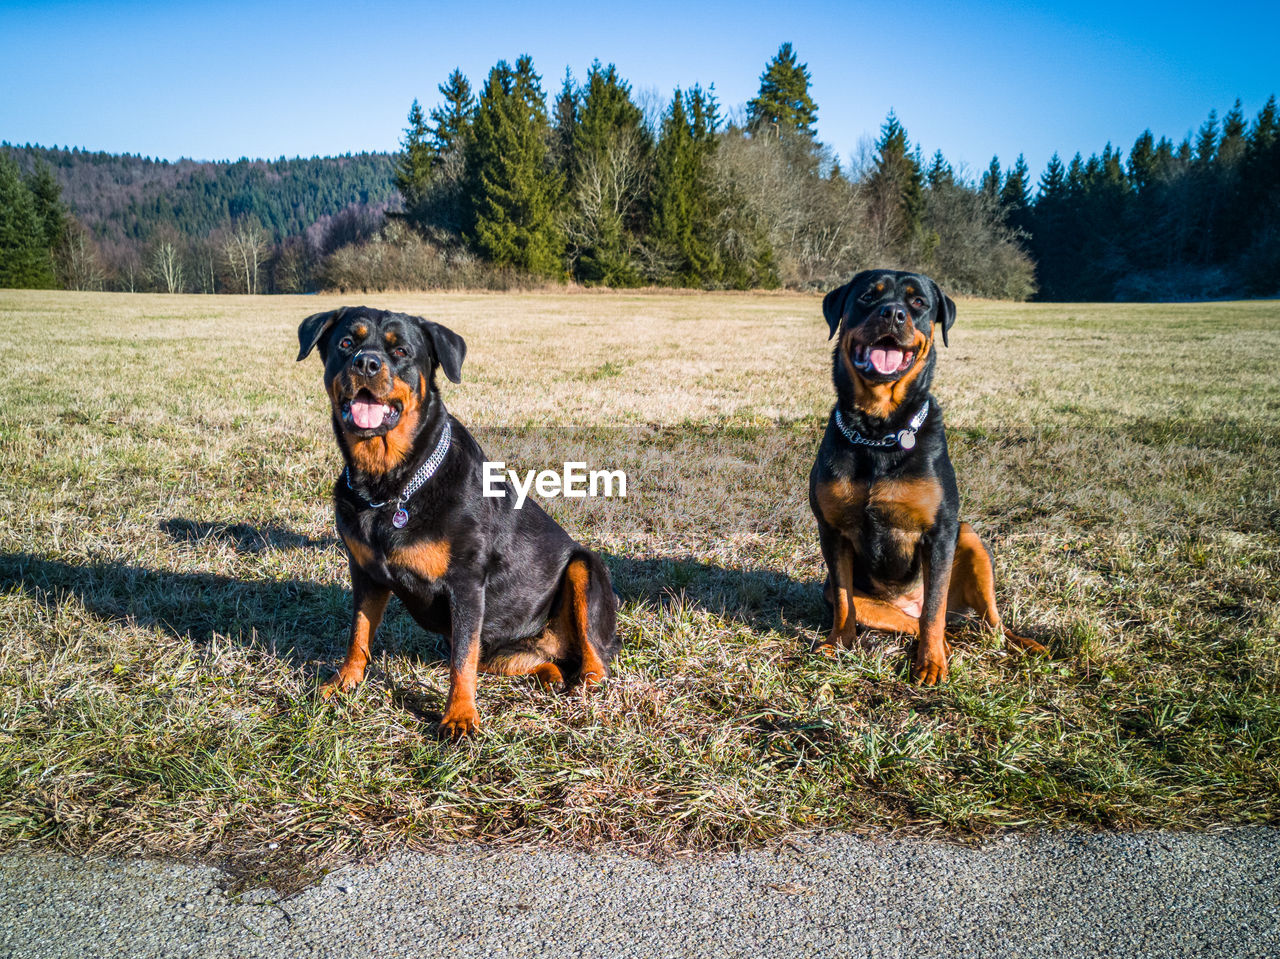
400	518
905	438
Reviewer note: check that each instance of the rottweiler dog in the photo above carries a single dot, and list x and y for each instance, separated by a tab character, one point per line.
882	489
512	591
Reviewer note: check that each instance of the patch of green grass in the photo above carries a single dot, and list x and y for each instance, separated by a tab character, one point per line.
173	591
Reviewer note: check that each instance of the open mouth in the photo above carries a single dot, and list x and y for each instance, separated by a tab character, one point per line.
364	411
884	357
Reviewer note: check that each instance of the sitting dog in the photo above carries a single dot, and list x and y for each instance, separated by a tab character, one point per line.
512	591
882	489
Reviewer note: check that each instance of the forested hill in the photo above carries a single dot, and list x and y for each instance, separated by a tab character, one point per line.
126	198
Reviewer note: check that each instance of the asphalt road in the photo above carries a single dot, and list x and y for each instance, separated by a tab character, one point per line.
1145	894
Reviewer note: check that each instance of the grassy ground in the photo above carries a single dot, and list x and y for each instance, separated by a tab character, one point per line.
173	593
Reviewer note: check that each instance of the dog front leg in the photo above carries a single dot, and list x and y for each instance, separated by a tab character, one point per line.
932	650
466	613
839	559
370	602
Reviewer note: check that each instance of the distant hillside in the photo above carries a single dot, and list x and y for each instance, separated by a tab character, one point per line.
123	199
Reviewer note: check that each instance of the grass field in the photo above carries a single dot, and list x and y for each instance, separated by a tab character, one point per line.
173	593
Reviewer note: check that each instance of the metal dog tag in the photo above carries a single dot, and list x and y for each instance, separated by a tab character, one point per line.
906	439
400	519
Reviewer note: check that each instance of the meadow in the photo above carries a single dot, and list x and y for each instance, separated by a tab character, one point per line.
173	592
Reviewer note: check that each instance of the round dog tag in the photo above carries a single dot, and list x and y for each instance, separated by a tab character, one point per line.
400	519
906	439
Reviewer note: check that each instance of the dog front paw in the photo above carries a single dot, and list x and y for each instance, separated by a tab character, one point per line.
342	681
930	667
460	721
826	645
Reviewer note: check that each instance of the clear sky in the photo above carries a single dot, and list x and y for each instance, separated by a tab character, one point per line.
265	79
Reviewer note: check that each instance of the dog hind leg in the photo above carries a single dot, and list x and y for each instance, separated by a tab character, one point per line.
973	586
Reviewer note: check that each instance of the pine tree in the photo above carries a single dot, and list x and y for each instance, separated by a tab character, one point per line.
1266	130
783	105
683	216
1053	182
940	173
992	179
1231	148
513	188
55	220
451	121
564	124
1015	193
413	165
1143	162
25	260
1207	140
896	180
1075	176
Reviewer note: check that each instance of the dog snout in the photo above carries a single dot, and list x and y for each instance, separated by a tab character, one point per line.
894	313
366	364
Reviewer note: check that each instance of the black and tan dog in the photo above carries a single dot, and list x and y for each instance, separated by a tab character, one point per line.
512	591
882	489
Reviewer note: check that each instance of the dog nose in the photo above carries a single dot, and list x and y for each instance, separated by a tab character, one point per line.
894	312
366	364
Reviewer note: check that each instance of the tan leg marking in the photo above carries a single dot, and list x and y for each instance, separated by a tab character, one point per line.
364	623
460	716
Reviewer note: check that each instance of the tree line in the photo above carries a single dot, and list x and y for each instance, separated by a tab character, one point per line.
597	189
504	185
135	223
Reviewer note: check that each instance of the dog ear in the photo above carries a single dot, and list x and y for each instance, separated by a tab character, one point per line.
449	347
946	312
833	307
833	303
313	328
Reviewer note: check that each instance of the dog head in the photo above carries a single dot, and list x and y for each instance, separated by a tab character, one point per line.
886	321
379	372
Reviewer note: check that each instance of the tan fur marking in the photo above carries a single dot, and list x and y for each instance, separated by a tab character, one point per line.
973	586
460	716
526	663
378	454
881	399
364	624
908	504
885	615
430	560
361	553
842	502
577	580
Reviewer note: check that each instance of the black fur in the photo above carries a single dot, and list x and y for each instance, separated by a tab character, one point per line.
506	568
888	307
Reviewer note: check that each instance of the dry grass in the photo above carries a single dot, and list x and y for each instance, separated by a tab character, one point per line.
173	592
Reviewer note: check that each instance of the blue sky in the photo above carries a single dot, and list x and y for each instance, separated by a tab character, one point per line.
264	79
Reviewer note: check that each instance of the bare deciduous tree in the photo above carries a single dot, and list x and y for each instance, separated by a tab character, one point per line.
166	268
78	263
244	249
607	192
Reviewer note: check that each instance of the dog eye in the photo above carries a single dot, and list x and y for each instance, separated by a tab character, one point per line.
346	343
918	303
400	352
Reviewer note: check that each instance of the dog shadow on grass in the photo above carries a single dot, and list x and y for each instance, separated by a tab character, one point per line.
294	620
763	600
304	623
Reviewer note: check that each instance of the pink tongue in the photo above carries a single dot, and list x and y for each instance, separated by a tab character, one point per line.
368	416
886	361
